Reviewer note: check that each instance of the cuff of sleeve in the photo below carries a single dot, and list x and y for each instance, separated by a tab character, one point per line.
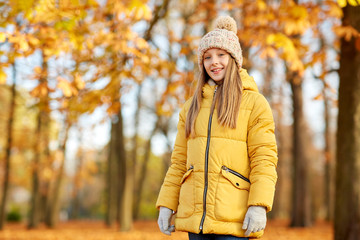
263	196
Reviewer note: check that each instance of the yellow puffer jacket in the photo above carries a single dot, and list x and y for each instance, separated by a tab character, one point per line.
213	179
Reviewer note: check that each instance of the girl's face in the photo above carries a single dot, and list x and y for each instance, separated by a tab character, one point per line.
215	63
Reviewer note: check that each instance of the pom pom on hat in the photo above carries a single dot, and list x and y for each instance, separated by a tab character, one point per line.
223	37
227	23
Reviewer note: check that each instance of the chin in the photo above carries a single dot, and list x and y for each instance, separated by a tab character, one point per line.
218	79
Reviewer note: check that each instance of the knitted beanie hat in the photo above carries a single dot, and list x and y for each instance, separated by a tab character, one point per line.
223	37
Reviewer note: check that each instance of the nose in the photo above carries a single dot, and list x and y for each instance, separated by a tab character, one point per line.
215	60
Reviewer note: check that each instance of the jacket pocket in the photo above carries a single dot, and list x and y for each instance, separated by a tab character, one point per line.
187	195
232	195
235	178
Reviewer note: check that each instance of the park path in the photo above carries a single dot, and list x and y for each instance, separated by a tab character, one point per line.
148	230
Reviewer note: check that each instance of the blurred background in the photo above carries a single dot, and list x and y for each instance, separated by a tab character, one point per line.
90	92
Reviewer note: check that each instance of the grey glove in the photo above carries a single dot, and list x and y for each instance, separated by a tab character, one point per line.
164	220
255	219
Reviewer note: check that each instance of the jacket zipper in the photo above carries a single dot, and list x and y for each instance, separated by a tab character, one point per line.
236	173
206	164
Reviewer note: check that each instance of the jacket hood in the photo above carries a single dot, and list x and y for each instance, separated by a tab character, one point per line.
247	82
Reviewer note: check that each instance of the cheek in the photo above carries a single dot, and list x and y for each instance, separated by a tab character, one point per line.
206	66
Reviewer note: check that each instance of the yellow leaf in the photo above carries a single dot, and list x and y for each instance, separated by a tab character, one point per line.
342	3
114	108
140	9
346	32
299	12
24	46
89	44
353	3
129	34
297	66
147	12
92	3
2	37
227	6
79	82
24	5
33	41
185	50
261	5
268	52
37	70
39	91
48	51
290	28
335	11
135	4
270	39
141	43
65	103
65	86
2	77
318	97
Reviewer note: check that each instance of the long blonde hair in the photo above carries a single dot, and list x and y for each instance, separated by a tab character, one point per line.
227	98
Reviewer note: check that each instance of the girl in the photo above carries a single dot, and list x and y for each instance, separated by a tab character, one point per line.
222	177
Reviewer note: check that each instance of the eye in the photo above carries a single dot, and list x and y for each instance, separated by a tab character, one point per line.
207	57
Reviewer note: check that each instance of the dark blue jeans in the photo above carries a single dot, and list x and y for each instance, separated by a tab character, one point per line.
193	236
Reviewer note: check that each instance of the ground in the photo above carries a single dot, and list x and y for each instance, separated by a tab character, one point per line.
148	230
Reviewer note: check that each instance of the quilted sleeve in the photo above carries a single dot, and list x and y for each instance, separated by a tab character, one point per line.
169	192
262	151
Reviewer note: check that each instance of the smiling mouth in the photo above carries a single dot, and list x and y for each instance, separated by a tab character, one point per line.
215	71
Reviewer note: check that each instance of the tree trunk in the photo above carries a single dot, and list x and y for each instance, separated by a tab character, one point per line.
112	178
328	159
45	184
281	196
43	118
76	189
143	173
347	203
52	215
125	174
328	180
34	203
134	151
7	169
267	89
301	210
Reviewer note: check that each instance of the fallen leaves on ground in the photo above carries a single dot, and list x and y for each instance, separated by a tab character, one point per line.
148	230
